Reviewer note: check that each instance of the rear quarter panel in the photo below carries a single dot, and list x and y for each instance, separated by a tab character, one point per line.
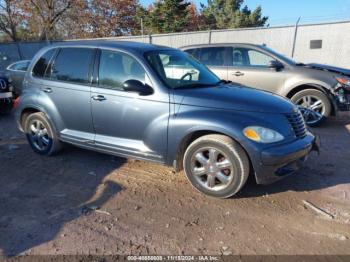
33	98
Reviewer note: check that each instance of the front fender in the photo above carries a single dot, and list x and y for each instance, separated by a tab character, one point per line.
292	84
190	120
325	87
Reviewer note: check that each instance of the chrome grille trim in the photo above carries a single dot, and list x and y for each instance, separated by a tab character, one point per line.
297	123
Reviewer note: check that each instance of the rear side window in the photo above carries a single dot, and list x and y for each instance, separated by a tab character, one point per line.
116	68
40	66
72	65
213	56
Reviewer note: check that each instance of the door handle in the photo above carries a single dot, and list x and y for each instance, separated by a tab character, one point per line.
238	73
47	90
98	98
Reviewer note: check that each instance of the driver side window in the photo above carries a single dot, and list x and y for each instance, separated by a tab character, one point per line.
117	67
257	58
250	58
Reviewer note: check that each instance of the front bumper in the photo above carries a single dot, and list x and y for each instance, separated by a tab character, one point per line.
280	161
5	95
342	98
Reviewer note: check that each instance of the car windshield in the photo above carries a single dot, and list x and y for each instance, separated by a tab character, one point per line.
177	69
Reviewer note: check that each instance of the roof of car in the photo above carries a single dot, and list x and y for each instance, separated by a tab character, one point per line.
218	45
127	45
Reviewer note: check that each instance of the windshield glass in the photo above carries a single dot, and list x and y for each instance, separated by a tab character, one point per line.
280	56
179	70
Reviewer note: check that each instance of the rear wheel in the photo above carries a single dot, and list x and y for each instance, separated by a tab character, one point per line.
314	105
41	135
216	165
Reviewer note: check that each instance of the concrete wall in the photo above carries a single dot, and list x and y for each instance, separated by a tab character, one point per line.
335	42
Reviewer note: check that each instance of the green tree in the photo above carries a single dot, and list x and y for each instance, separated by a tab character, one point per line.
222	14
141	21
166	16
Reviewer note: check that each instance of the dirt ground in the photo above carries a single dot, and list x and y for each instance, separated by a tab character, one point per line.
47	205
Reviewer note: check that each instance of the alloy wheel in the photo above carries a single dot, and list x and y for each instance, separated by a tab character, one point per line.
212	168
39	136
312	108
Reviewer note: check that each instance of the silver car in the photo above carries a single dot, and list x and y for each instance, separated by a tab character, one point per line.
15	73
319	90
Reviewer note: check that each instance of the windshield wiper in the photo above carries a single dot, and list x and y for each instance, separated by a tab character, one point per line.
195	85
222	81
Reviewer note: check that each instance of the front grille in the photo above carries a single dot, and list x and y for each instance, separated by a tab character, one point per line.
297	122
3	84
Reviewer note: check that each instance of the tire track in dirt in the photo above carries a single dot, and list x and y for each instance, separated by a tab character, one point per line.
42	201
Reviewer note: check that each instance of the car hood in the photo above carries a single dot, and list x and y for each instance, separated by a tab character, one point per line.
329	68
231	97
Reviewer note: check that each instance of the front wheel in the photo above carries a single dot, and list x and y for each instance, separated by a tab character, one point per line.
314	105
216	165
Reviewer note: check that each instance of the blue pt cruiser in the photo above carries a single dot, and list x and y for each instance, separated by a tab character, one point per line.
159	104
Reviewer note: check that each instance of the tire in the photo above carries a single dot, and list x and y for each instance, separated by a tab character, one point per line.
38	128
216	151
314	117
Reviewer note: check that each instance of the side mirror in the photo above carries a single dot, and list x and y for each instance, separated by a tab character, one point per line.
273	64
137	87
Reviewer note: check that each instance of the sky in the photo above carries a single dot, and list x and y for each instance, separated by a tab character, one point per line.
283	12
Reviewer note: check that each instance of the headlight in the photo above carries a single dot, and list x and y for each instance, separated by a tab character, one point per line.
344	81
262	134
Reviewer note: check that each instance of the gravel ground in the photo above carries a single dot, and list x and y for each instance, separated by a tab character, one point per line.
81	202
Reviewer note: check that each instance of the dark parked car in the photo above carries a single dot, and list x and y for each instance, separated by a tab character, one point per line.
15	73
319	90
159	104
6	96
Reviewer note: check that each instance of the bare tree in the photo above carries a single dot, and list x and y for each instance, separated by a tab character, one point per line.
112	17
11	17
43	16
